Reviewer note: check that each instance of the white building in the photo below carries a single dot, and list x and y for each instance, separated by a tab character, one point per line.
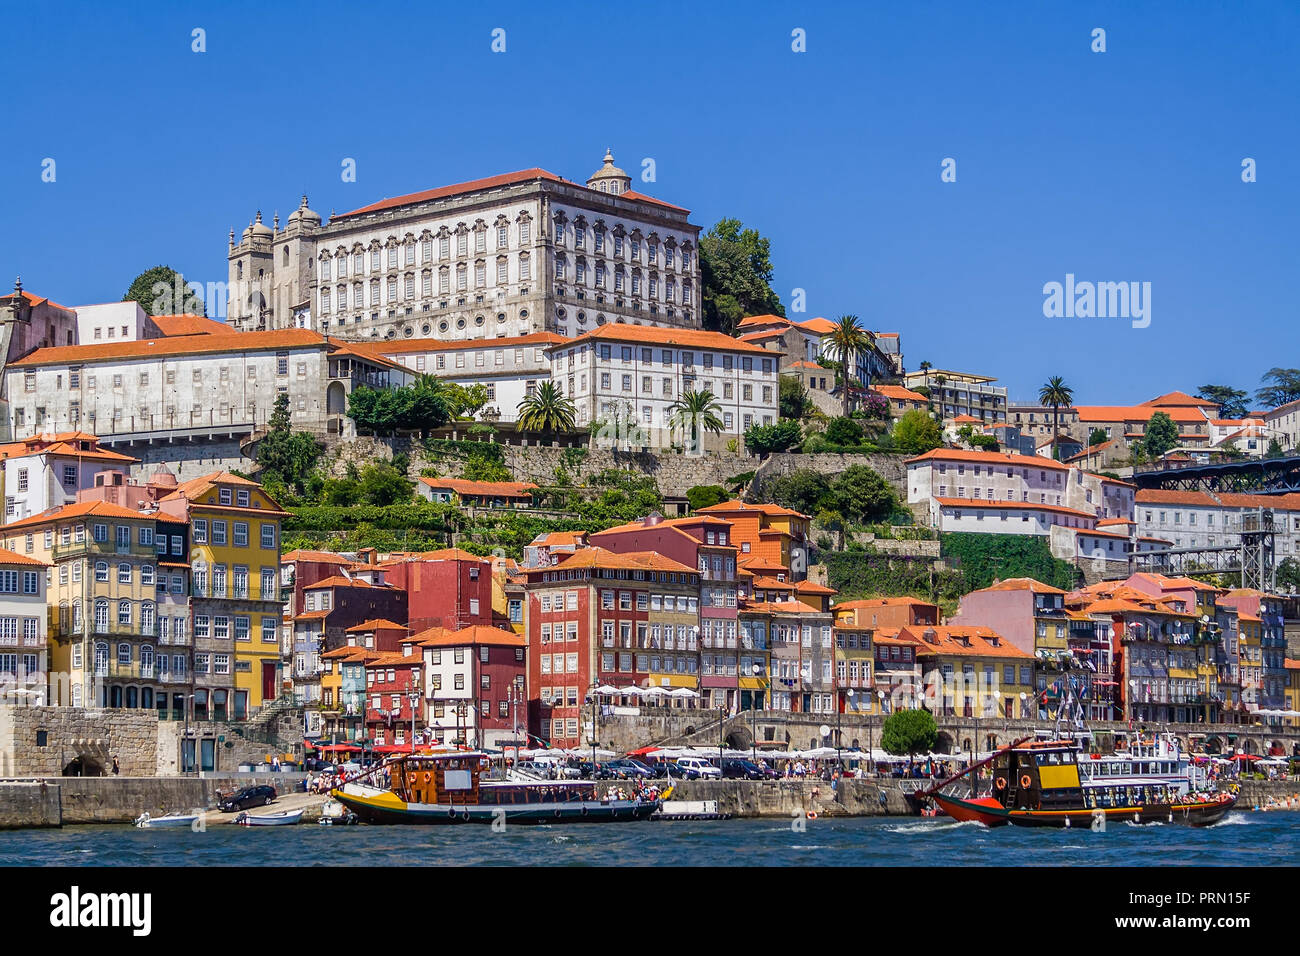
995	478
961	393
114	322
24	662
517	253
1283	423
46	471
636	373
191	387
1198	519
509	367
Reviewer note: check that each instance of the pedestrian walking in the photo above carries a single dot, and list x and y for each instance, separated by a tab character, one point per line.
117	768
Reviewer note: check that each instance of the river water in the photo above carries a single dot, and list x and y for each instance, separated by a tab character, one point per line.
1242	838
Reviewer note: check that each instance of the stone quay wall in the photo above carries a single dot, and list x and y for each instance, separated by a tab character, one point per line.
30	803
43	741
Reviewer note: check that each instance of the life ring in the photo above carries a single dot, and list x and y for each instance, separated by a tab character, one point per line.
1025	781
812	814
427	777
584	809
451	813
557	811
1000	783
465	816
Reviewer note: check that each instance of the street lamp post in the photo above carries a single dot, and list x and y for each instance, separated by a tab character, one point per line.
871	741
839	730
753	717
413	696
722	717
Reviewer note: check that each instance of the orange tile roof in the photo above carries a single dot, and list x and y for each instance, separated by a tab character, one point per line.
760	336
880	602
642	197
898	393
506	489
190	325
479	634
1107	480
772	584
1091	450
811	587
736	506
811	365
394	659
681	338
759	563
595	557
1136	413
442	192
988	458
1179	399
176	345
35	300
441	554
338	581
946	639
1165	496
102	509
441	345
967	419
554	539
892	636
13	557
1024	584
996	505
766	319
323	557
314	615
376	624
818	325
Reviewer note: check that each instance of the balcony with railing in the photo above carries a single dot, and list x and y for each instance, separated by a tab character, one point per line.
91	547
231	590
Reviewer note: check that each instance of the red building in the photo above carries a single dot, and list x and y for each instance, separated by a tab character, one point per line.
474	685
449	588
391	677
300	569
590	620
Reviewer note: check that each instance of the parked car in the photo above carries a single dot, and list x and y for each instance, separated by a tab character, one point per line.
700	766
631	768
247	798
736	768
589	771
666	769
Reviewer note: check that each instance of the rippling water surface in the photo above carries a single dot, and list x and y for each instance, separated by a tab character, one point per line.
1240	839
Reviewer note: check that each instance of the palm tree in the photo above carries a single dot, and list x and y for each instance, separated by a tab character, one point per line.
695	411
547	410
846	342
1056	393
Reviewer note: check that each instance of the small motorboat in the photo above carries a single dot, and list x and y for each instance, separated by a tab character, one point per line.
146	822
285	818
334	814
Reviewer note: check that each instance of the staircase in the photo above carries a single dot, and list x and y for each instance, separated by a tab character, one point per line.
266	725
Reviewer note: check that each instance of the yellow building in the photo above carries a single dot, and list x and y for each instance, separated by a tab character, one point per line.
113	642
236	603
1293	690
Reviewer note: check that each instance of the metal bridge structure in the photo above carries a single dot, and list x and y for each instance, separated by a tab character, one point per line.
1260	476
1254	559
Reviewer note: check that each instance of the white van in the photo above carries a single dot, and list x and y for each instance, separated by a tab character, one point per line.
699	765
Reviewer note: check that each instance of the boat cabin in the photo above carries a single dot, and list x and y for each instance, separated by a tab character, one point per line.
1042	775
447	779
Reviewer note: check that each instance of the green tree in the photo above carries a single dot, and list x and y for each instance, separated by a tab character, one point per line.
1288	575
1096	436
916	432
547	410
1161	435
381	484
769	439
162	291
1274	449
341	492
847	342
804	490
794	403
283	455
863	495
736	273
705	496
1231	401
1281	385
844	431
1056	394
695	413
464	401
909	732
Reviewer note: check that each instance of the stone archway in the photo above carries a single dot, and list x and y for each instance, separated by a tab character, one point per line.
1248	746
336	399
1213	745
84	766
1276	749
739	738
944	744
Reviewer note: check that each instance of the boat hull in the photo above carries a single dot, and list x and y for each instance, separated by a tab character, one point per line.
269	820
153	823
989	812
388	808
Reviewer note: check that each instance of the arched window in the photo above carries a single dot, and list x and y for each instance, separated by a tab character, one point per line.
76	615
123	612
124	653
146	698
101	659
146	618
101	617
146	661
101	571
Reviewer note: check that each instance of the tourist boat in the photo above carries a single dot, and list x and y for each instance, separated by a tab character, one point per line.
448	788
146	822
285	818
1054	783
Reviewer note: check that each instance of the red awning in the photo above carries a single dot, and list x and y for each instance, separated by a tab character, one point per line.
349	748
1247	757
642	751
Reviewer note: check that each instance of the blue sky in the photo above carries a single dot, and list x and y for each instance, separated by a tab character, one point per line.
1115	166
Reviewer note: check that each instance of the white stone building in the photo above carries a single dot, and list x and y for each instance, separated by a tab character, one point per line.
46	471
1198	519
636	373
24	658
509	367
961	393
513	254
114	322
192	387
